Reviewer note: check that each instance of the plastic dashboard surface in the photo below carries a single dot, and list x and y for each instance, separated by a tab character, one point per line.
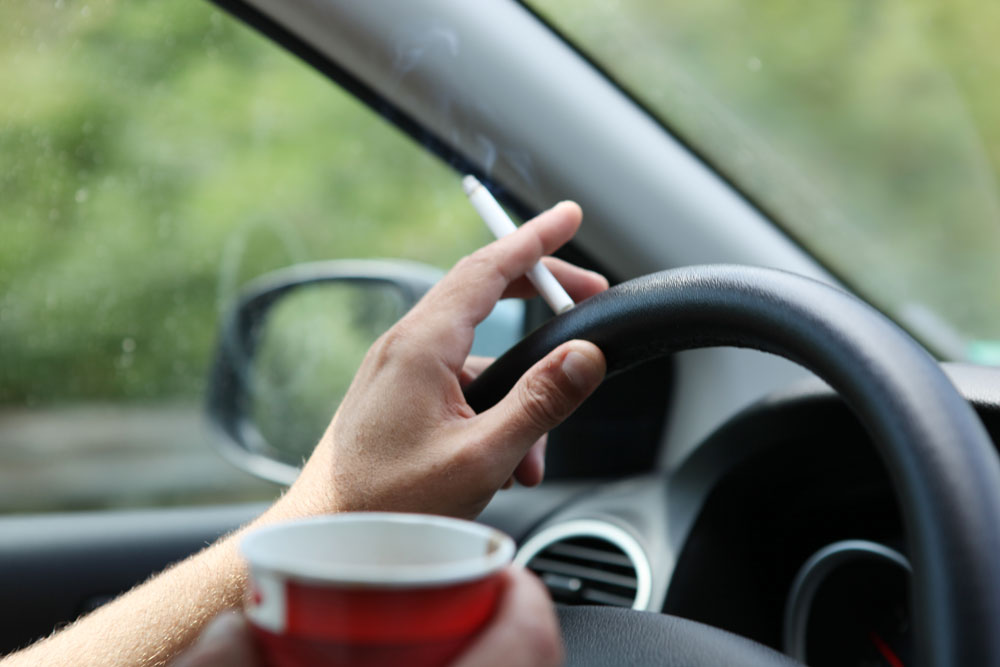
728	529
725	531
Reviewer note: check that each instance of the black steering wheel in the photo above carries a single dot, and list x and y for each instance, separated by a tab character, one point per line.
944	469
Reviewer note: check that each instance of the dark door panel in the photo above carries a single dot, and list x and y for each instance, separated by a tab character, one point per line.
55	567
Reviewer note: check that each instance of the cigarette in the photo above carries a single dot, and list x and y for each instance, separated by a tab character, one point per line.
501	225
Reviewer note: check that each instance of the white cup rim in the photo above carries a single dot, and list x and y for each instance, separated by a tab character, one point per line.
258	550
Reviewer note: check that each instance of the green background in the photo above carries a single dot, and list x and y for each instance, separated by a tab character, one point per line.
154	156
869	129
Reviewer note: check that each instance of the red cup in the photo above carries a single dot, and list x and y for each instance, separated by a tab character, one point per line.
371	588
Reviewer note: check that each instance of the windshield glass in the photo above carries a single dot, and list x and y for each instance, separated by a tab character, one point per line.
869	130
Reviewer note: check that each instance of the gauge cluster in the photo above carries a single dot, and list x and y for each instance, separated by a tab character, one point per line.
781	527
849	607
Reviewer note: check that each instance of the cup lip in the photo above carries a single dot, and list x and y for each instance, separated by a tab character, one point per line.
379	576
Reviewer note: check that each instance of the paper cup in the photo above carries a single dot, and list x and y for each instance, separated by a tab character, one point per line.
371	588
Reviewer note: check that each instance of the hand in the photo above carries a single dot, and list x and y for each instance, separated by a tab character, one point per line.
523	633
404	438
531	469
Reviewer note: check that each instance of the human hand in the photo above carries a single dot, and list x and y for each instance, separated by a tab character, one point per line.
404	438
531	469
523	633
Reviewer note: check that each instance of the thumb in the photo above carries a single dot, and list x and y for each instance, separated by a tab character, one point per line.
545	396
524	632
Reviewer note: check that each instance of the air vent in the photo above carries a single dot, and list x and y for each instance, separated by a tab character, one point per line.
589	562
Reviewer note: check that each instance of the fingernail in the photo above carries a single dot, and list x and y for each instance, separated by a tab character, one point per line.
567	202
581	371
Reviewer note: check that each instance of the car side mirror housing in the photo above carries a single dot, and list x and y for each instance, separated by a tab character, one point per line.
290	345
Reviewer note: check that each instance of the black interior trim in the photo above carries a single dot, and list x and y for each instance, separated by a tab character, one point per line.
942	463
382	107
55	567
786	476
645	639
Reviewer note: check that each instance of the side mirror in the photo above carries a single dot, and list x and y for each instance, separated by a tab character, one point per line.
289	348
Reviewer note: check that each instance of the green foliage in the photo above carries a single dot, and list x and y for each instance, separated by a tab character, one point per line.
869	128
154	156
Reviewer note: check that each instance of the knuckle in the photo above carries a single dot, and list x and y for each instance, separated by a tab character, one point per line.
393	343
483	264
473	263
541	402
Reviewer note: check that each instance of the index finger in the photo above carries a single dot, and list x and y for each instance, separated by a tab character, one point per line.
465	296
580	283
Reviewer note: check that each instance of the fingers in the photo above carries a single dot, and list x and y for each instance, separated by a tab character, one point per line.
524	632
467	294
579	283
531	470
497	265
472	368
225	642
544	396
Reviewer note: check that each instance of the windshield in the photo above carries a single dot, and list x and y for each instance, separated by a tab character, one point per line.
869	130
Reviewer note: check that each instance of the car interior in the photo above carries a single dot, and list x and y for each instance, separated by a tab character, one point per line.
781	468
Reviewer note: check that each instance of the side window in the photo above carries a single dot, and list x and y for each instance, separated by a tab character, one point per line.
155	156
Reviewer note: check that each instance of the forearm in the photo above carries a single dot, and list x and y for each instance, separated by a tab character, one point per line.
154	621
404	439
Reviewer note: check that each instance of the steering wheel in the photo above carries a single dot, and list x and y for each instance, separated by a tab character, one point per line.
942	464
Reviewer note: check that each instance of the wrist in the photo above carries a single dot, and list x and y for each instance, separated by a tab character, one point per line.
312	493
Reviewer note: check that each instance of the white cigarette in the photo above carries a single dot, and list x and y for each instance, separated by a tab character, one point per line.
501	225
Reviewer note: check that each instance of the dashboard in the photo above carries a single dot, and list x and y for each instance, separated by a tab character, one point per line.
782	527
726	537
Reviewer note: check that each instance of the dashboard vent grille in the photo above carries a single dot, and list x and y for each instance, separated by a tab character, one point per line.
589	562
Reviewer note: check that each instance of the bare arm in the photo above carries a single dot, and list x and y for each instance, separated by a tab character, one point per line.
403	439
152	622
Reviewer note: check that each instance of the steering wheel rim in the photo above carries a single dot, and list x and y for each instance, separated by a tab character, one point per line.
942	464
